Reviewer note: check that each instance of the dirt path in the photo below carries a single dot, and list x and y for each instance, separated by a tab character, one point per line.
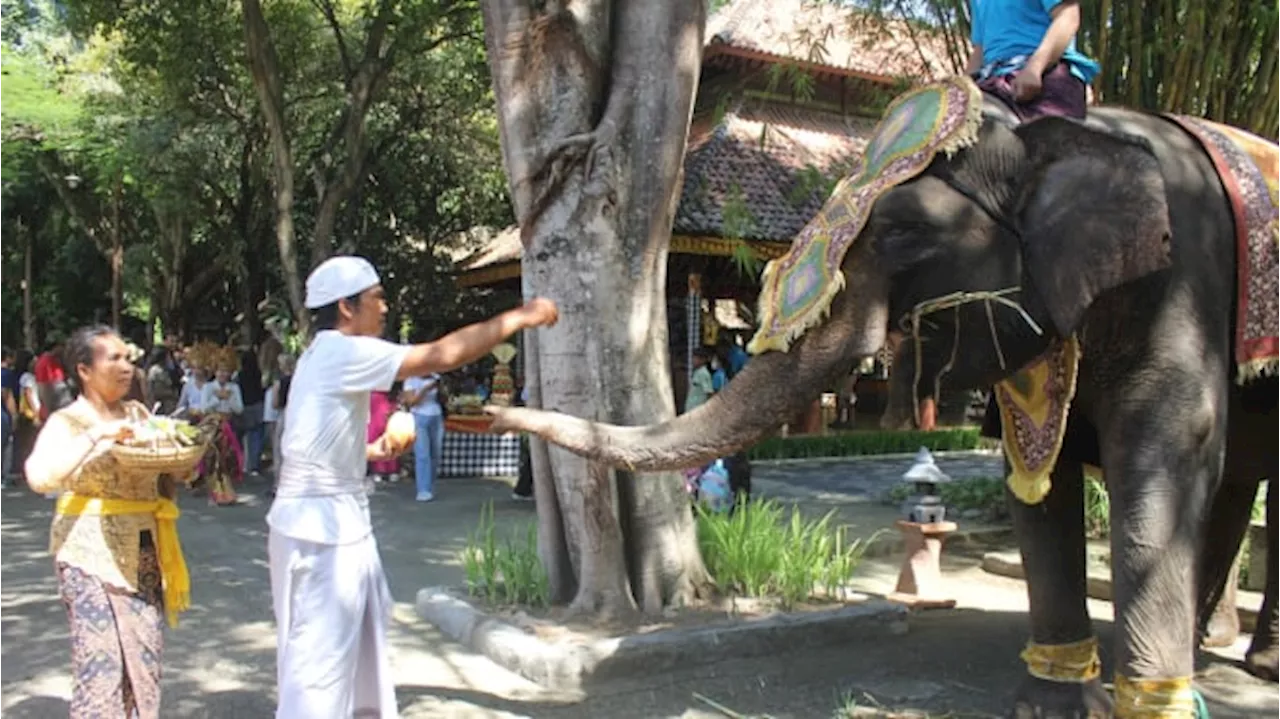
221	661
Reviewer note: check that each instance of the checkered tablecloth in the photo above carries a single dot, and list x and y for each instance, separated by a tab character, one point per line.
467	454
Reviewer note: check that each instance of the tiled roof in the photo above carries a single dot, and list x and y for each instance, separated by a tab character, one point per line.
502	247
825	33
728	165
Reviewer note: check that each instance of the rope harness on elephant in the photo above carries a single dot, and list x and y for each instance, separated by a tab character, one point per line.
911	323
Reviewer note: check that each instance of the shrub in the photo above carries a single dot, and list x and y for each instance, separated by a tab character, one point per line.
509	572
849	444
756	552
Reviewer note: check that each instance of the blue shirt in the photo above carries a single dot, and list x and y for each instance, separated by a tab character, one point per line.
737	359
1011	30
9	380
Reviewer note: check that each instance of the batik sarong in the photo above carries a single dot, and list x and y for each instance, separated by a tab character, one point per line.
116	640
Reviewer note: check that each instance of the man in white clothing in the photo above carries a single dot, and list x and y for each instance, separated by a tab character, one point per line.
330	597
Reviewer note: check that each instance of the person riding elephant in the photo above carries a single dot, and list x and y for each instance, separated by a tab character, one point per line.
1109	244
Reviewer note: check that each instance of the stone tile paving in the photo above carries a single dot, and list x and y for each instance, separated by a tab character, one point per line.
220	662
868	478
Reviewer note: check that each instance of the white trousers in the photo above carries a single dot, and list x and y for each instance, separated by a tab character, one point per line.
332	608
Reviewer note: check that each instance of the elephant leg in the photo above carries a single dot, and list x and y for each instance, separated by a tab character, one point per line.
1219	617
1218	620
1163	441
1261	658
1051	539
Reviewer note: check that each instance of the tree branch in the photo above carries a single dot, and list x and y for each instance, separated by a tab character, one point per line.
331	17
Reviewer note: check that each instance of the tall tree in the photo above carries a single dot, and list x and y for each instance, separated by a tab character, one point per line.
594	102
336	165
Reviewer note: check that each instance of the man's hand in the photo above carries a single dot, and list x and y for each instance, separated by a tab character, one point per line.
539	312
1027	82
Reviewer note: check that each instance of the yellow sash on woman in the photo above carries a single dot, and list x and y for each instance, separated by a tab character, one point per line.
173	566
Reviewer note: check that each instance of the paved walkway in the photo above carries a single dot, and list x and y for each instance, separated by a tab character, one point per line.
220	662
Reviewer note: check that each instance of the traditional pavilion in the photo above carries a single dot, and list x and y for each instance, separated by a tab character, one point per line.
789	91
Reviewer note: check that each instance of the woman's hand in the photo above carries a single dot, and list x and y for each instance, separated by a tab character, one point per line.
114	430
383	449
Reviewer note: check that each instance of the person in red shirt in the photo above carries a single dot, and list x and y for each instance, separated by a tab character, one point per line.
51	381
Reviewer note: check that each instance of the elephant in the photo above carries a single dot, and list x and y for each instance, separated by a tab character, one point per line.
1117	231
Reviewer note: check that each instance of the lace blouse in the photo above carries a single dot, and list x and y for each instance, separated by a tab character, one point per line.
105	546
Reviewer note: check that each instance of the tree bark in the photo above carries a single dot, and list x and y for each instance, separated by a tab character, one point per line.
265	69
28	311
117	256
594	102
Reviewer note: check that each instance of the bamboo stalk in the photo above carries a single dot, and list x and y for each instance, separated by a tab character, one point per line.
1133	92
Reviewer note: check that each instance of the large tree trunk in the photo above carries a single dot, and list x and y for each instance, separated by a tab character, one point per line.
594	103
117	256
266	80
28	276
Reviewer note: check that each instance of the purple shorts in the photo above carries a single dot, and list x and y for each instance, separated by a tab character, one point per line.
1061	94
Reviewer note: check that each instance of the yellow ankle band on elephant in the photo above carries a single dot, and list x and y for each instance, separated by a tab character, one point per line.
1033	417
796	289
1154	698
1074	663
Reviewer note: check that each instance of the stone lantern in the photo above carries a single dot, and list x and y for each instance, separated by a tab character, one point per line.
923	527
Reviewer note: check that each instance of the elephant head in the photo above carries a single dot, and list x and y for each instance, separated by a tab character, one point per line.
1057	209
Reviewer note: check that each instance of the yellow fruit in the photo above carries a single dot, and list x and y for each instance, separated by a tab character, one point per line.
400	429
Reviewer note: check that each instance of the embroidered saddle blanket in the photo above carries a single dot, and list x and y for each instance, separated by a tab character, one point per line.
1249	167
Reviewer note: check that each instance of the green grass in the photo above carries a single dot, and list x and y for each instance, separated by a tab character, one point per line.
759	551
507	571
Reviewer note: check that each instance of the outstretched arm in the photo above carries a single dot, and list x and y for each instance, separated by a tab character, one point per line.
475	341
1065	25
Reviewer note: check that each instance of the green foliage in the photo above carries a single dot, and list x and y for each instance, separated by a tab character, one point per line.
1097	507
156	99
758	552
849	444
505	571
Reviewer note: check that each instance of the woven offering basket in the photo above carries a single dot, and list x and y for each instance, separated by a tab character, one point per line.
173	459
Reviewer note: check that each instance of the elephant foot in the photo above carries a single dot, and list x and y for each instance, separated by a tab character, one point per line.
1222	629
1042	699
1261	662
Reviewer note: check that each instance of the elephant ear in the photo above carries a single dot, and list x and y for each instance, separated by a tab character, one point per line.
1094	214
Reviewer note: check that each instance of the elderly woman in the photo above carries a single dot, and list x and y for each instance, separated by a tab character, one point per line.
114	539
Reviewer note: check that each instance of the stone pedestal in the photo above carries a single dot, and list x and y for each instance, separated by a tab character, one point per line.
920	579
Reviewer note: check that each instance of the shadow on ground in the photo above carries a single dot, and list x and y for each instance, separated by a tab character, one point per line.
220	661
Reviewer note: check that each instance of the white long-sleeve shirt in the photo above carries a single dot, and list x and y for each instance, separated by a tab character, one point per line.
191	398
210	402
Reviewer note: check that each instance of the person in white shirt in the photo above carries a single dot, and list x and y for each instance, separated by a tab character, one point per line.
222	396
422	396
330	597
191	398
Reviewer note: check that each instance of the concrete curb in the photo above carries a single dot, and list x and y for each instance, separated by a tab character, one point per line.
1008	564
571	667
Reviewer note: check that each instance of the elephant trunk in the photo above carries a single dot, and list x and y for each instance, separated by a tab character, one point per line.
771	388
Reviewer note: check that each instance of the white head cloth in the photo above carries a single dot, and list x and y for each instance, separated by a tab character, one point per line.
339	277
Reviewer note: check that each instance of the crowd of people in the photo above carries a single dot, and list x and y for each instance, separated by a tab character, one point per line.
119	563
